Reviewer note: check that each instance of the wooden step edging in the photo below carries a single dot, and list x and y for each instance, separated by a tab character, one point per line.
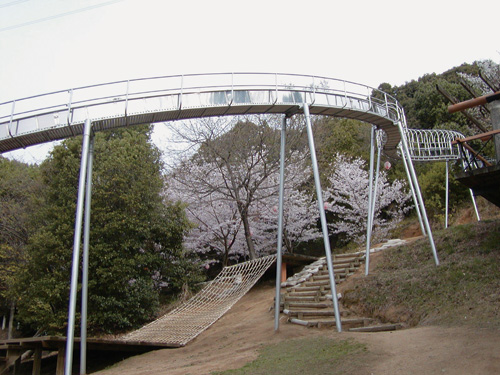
349	323
377	328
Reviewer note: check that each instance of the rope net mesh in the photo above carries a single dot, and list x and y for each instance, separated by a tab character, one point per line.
186	322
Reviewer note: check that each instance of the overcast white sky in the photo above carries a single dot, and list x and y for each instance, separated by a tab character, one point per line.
48	45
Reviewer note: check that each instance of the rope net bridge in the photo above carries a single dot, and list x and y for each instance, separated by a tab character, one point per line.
186	322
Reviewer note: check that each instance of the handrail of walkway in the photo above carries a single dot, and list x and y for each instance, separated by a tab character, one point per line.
433	144
122	99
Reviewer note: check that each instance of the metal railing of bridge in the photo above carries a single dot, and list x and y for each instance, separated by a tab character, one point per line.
181	92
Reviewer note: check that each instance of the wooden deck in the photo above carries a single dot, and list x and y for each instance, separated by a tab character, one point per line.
484	182
12	350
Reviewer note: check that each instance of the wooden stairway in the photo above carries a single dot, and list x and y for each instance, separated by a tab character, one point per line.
307	300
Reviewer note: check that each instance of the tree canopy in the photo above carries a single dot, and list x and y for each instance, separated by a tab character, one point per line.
135	238
232	181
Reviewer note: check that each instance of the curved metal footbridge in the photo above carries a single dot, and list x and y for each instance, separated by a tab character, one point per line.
61	114
85	110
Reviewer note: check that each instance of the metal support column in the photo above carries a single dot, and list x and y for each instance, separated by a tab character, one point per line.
375	187
412	189
76	248
447	197
280	227
370	199
85	266
474	204
371	212
322	215
406	153
472	195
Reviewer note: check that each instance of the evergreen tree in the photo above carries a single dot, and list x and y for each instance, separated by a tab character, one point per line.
135	238
19	184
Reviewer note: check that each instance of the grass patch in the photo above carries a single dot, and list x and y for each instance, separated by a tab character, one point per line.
303	357
408	287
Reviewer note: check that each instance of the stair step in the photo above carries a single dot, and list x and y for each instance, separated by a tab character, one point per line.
302	298
303	294
347	323
342	264
377	328
304	288
309	313
317	283
337	275
325	284
353	256
308	305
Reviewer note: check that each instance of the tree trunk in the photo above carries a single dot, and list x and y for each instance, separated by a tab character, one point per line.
11	320
248	235
225	257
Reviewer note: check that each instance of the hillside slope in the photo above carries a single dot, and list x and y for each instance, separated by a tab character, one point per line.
443	341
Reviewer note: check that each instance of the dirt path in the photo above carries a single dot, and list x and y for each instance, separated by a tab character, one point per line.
235	339
434	350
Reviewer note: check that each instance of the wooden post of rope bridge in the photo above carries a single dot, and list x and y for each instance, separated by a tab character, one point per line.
283	272
494	103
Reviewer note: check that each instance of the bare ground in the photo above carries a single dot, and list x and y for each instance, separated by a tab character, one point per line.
235	339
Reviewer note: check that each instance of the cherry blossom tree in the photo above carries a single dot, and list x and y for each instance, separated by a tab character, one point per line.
300	212
232	158
218	233
346	200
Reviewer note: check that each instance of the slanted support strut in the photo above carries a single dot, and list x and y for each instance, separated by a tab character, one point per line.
412	188
279	251
85	265
370	199
326	239
447	195
76	247
406	154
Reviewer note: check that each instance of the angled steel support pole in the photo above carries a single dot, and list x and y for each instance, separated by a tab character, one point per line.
472	195
474	204
326	240
375	188
406	153
76	249
412	189
447	196
280	227
370	199
85	266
